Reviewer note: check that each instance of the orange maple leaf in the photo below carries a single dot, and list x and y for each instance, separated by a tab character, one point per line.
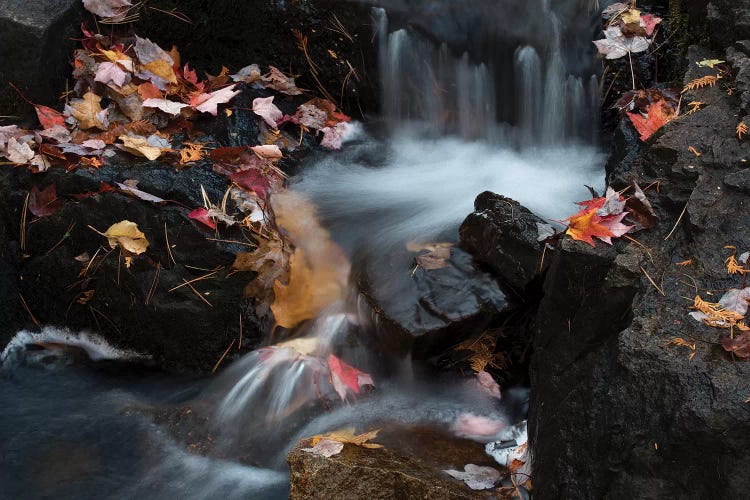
584	225
659	113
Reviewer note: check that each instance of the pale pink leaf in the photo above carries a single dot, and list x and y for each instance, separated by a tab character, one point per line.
107	8
18	152
266	109
477	477
614	224
170	107
325	448
476	427
207	103
649	22
109	72
268	151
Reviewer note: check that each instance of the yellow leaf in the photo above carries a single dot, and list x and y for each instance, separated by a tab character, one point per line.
127	235
305	346
347	436
631	16
85	111
140	146
162	69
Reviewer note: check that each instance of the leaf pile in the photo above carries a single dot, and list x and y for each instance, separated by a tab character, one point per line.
649	110
627	31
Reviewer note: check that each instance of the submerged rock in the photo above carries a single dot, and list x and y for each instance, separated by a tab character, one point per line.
411	465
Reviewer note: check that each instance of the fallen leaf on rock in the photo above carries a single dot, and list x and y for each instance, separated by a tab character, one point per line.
248	74
304	346
271	261
615	226
140	146
277	80
107	8
129	186
170	107
477	477
127	236
616	45
153	57
88	111
739	345
586	225
109	72
333	137
208	103
191	152
345	376
202	216
18	152
631	16
311	116
347	436
325	448
614	10
709	63
270	151
649	23
48	117
658	115
640	210
253	180
161	69
266	109
41	162
45	202
58	134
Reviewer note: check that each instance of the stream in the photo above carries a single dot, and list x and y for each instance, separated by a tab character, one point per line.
512	110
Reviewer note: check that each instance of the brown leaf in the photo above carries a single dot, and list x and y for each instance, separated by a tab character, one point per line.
87	111
45	202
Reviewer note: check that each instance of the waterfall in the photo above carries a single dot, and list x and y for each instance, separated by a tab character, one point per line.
529	77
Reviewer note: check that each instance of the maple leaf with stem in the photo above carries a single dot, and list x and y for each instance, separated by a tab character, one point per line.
584	225
658	114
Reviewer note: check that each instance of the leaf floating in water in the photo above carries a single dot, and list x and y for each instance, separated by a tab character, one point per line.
345	376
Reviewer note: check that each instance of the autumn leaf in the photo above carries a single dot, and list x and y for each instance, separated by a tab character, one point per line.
88	111
109	72
253	180
347	436
477	427
477	477
584	225
325	448
271	262
191	152
45	202
741	130
170	107
157	65
659	113
345	376
208	103
739	345
141	146
436	257
333	137
270	151
615	45
311	116
649	23
107	8
615	226
129	186
248	74
18	152
201	215
277	80
266	109
48	117
126	235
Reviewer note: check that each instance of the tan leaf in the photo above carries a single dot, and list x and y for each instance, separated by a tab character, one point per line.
347	436
86	110
140	146
161	68
127	235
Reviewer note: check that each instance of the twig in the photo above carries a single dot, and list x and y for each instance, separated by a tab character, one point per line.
197	293
541	263
239	344
169	249
632	73
31	315
187	283
216	366
233	241
24	215
653	282
65	236
648	251
678	222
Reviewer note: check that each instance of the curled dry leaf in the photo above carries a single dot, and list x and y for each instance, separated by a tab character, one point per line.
88	111
347	436
18	152
325	448
140	146
170	107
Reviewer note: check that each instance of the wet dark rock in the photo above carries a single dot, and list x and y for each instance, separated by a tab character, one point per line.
132	307
427	310
503	234
739	180
410	465
616	412
36	40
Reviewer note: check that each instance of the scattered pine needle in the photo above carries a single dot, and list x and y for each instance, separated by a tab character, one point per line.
31	315
239	344
188	283
216	366
682	214
169	247
200	296
684	343
153	284
685	263
741	130
653	282
24	217
253	245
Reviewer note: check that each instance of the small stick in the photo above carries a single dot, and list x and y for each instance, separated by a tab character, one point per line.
65	236
216	366
632	73
541	264
653	282
26	306
199	278
239	344
233	241
197	293
678	221
169	249
24	216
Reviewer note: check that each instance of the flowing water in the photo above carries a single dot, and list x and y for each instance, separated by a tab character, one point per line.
500	96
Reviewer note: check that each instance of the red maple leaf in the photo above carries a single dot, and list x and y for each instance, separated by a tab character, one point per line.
344	375
659	113
45	202
201	215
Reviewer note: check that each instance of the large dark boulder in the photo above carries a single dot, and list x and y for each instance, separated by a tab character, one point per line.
37	38
136	307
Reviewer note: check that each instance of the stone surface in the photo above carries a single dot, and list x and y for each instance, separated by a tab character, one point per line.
130	307
503	235
37	38
616	412
410	465
426	310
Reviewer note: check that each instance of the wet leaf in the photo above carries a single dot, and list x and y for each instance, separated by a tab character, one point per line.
277	80
129	186
477	427
202	216
88	111
739	345
107	8
140	146
18	152
45	202
333	137
109	72
616	45
347	436
345	376
585	225
325	448
270	151
658	115
436	257
170	107
208	103
477	477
